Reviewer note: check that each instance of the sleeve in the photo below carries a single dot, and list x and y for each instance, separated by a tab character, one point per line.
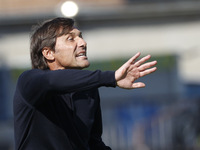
96	142
35	84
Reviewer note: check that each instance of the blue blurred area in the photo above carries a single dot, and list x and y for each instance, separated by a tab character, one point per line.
192	90
6	123
5	95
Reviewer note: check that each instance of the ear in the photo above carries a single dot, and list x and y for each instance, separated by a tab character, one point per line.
48	53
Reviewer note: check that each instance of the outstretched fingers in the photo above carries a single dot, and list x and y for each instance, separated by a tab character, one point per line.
142	60
132	59
129	63
147	71
147	65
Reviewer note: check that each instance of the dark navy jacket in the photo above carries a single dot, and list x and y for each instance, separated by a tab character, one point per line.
59	110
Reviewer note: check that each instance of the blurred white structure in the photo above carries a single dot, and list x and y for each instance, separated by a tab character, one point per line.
69	9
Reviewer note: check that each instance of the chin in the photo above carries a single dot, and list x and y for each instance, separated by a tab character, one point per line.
83	66
86	65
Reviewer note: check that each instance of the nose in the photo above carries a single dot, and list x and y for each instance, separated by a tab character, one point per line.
82	42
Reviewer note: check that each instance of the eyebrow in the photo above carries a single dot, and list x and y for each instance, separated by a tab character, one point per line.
74	33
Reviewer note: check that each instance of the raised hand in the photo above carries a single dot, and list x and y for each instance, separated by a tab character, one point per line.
130	71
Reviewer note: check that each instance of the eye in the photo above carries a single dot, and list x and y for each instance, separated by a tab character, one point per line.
70	38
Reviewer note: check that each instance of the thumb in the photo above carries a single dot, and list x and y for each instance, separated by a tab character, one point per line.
138	85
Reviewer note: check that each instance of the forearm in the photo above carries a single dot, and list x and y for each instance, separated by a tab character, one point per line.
78	80
38	82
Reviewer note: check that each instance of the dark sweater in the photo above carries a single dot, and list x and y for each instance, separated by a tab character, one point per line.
59	110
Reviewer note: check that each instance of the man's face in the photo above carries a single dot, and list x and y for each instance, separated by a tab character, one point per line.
70	51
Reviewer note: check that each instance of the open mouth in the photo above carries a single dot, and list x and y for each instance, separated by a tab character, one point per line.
82	54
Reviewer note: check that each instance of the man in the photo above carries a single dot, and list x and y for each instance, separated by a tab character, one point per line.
56	104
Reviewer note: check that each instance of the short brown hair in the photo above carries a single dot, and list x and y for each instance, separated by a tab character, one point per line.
45	35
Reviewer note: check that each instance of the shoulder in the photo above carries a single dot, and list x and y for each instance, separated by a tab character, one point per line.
29	74
32	72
